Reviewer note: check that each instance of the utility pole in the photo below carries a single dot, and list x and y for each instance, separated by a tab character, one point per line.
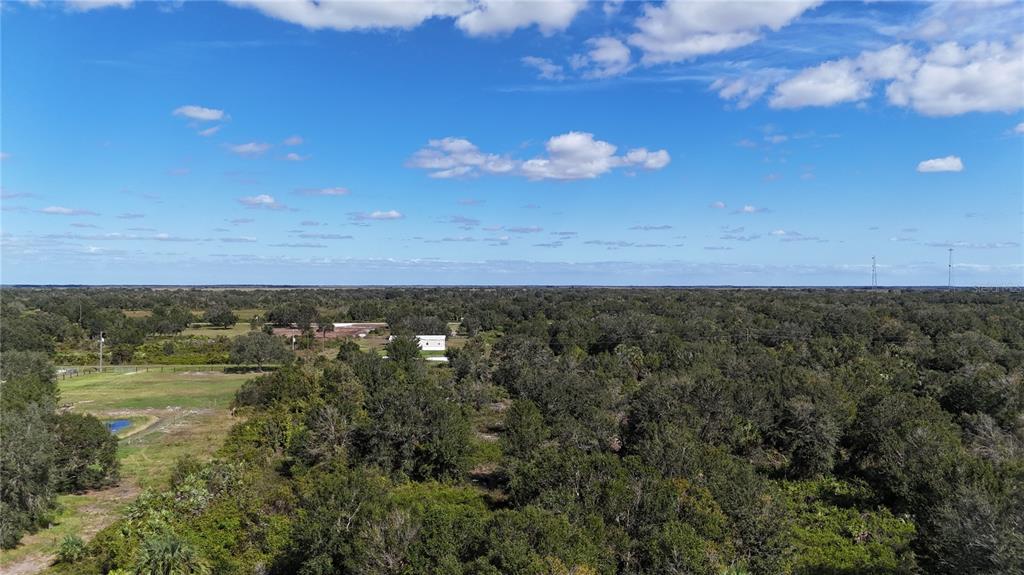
874	273
101	352
950	268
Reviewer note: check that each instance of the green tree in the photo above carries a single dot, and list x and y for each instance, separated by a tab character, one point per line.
524	429
259	348
85	454
220	315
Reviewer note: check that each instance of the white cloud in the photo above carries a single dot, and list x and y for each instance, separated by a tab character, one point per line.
249	148
489	17
678	30
546	69
577	155
949	80
293	157
293	141
377	215
62	211
719	205
607	57
829	83
199	113
947	164
264	201
747	89
986	77
844	80
209	131
458	157
749	209
355	14
571	156
87	5
1019	128
337	191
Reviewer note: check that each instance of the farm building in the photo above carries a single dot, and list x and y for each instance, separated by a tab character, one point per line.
429	342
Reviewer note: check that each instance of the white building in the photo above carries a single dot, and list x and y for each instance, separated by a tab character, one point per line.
431	342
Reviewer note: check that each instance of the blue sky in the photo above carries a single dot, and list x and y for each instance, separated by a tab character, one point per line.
489	142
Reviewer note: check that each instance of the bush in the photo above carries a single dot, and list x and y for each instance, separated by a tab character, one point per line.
71	549
86	453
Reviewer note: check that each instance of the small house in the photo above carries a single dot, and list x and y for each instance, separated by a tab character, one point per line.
431	342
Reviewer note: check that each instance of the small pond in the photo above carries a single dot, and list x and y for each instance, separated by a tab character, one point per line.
116	425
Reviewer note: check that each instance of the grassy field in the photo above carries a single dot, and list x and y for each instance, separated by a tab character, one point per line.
172	414
206	330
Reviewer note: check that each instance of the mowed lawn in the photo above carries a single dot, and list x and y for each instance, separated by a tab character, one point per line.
172	414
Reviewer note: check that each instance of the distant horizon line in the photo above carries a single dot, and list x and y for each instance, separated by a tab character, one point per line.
538	285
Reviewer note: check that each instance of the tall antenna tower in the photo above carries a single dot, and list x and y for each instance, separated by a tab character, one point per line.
874	273
950	268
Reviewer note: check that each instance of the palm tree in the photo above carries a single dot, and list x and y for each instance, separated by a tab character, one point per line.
166	554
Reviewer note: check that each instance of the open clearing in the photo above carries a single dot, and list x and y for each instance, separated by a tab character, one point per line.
171	414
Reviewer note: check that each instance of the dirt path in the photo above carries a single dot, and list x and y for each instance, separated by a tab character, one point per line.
96	510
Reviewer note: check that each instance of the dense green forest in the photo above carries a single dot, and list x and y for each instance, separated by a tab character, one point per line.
657	431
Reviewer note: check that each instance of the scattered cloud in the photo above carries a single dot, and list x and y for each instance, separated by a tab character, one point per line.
63	211
478	18
463	222
607	57
239	240
772	177
679	30
948	80
749	209
4	156
264	201
577	155
199	113
546	69
974	245
179	171
571	156
525	230
240	221
648	228
335	191
377	215
947	164
130	216
298	245
293	157
490	17
249	148
470	202
1019	128
293	141
89	5
719	205
314	236
458	157
311	223
356	14
953	80
209	131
